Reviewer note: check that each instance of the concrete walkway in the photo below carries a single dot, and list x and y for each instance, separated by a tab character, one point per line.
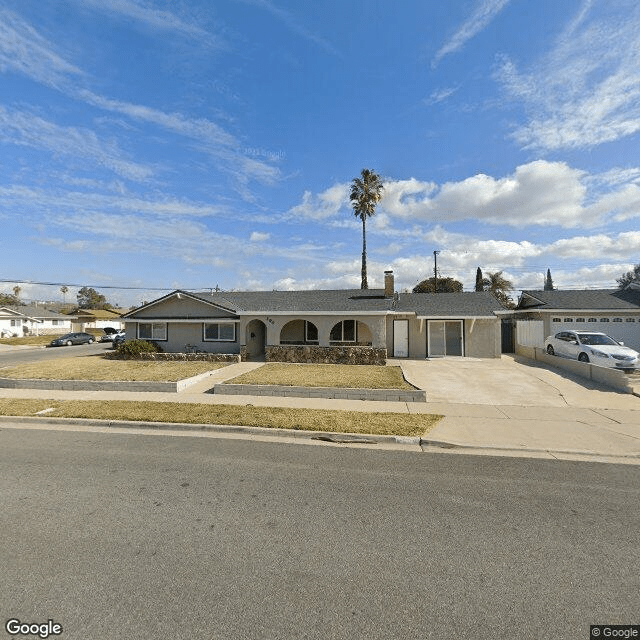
570	420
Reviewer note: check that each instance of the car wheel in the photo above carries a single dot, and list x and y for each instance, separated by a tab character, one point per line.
550	350
583	357
68	343
90	342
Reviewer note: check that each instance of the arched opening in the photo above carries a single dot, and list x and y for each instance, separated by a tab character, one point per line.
299	332
256	338
350	332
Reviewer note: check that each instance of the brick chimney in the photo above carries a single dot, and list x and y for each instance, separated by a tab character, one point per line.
388	284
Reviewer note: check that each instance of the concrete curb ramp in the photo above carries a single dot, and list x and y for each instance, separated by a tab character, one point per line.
383	395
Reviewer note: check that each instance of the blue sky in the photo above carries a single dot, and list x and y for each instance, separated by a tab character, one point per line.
191	143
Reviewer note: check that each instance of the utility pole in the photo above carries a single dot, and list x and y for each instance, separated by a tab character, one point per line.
435	271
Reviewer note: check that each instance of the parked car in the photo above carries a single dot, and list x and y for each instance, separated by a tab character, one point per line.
118	339
592	346
110	333
72	338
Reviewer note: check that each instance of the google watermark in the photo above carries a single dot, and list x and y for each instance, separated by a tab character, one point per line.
46	629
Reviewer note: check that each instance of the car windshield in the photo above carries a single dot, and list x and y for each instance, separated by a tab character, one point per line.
596	338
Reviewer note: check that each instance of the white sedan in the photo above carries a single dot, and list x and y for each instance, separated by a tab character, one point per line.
591	346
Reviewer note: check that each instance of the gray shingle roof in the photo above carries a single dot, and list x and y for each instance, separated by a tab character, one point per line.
466	304
340	300
587	299
471	303
32	311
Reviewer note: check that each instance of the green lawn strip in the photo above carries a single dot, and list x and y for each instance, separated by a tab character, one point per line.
343	376
336	421
97	367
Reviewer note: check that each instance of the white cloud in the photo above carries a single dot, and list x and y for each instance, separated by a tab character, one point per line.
257	236
23	50
26	129
325	205
482	16
440	95
537	193
89	203
150	17
289	20
586	90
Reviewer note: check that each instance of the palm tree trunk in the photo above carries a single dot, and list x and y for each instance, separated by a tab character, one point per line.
364	284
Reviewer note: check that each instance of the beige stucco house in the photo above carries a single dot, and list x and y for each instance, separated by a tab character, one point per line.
409	325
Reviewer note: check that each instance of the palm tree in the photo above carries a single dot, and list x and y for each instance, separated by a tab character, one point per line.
16	292
499	286
63	291
366	192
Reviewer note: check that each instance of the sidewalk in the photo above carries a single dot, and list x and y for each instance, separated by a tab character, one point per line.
609	433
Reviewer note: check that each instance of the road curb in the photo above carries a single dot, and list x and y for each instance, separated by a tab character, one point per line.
325	436
444	444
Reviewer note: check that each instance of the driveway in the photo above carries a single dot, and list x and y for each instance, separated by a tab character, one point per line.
509	381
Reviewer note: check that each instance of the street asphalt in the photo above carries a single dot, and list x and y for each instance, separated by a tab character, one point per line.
509	407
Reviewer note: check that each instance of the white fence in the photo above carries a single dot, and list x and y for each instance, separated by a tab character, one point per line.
530	333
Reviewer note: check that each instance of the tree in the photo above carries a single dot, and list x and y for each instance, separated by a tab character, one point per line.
16	292
8	299
89	298
366	192
479	280
627	278
548	282
499	286
445	285
64	290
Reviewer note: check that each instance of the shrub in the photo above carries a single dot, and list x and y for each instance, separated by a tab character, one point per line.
133	348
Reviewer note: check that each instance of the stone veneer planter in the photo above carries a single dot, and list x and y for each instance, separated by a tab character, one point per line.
313	354
173	357
394	395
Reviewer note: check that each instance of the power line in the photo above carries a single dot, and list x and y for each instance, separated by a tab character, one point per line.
100	286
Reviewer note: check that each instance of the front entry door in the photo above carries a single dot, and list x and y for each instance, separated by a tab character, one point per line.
400	338
445	338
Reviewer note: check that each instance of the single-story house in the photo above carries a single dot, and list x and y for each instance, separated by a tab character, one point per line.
31	319
612	311
96	319
414	325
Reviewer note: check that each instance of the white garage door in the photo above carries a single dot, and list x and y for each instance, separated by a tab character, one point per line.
628	331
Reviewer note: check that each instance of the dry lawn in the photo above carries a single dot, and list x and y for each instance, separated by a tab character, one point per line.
97	367
336	421
326	375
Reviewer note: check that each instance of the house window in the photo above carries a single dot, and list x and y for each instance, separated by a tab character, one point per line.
16	323
556	320
55	323
310	332
617	319
604	319
152	330
593	319
579	319
344	331
630	320
568	319
220	331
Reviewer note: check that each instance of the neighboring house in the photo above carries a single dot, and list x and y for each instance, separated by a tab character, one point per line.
96	319
407	325
610	311
31	319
